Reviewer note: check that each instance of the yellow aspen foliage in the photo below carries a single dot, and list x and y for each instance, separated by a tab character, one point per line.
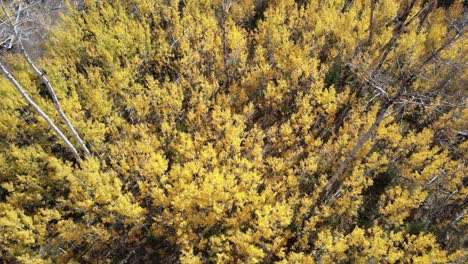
239	131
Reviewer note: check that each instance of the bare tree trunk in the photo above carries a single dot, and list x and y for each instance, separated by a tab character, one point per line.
54	98
399	30
338	177
45	81
39	111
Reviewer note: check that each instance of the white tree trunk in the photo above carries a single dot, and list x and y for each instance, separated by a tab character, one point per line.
44	79
20	89
54	98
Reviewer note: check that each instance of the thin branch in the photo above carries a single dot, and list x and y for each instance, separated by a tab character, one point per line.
381	90
462	133
10	45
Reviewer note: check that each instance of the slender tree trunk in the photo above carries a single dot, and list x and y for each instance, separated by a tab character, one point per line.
399	30
446	44
338	177
54	99
20	89
45	81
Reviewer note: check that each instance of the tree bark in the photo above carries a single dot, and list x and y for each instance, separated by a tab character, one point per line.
20	89
338	176
399	30
44	80
54	98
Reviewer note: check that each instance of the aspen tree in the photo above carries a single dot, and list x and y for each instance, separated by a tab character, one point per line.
242	131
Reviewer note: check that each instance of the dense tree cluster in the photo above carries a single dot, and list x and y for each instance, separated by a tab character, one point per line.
239	131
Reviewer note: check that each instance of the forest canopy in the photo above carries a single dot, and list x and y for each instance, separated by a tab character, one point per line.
237	131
